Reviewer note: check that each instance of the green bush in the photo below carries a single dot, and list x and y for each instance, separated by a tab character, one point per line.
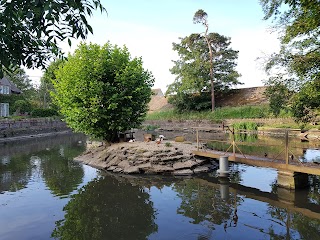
22	106
191	102
44	112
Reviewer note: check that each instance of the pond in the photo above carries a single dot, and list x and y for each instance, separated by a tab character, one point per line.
46	195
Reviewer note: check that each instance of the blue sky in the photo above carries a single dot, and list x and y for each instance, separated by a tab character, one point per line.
149	27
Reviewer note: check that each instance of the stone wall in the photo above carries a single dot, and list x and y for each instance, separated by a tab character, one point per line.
13	128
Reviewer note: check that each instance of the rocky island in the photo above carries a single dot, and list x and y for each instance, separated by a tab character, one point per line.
173	158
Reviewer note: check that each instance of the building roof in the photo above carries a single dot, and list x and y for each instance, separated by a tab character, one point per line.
6	82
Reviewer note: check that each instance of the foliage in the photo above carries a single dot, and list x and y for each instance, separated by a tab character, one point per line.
202	17
218	115
202	203
44	112
30	31
101	91
22	106
279	94
193	67
245	126
306	102
299	22
189	102
46	85
101	210
168	144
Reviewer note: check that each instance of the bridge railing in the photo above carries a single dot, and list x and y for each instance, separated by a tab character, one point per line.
284	149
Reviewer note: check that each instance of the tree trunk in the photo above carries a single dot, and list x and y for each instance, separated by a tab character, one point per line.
211	75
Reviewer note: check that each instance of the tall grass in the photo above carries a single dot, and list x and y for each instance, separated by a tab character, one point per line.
245	126
218	115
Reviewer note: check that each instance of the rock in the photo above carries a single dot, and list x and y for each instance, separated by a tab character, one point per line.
155	159
201	169
175	158
182	165
131	169
113	162
184	172
111	168
124	164
148	154
118	170
104	155
144	166
161	168
201	161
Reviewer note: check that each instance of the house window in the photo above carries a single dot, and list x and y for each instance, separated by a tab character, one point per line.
4	109
4	89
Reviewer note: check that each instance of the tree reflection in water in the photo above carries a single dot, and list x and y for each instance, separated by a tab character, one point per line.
102	210
205	204
61	174
53	161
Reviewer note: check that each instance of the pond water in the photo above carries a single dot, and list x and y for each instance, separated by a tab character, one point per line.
45	195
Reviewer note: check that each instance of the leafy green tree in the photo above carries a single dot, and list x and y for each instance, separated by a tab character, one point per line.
31	30
299	25
306	102
279	94
22	106
101	91
46	85
202	17
193	66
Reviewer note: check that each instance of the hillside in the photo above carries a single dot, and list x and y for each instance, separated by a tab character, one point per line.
236	97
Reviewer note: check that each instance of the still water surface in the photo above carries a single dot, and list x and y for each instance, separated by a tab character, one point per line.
44	194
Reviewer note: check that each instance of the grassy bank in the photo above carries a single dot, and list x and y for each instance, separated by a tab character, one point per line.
260	113
219	114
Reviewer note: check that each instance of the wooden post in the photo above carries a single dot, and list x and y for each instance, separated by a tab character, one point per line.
197	139
287	147
233	144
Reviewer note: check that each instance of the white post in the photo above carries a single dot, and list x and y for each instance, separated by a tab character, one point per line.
223	166
224	188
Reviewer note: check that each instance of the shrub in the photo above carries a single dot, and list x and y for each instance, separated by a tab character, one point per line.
22	106
245	126
44	112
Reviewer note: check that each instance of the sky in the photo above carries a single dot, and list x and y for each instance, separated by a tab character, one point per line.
149	27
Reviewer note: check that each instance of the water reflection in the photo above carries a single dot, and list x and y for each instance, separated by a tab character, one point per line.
52	161
108	208
38	180
126	207
268	146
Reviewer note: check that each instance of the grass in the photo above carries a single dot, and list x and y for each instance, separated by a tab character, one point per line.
247	149
217	116
245	126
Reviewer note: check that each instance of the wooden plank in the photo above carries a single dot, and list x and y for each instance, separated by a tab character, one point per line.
261	163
